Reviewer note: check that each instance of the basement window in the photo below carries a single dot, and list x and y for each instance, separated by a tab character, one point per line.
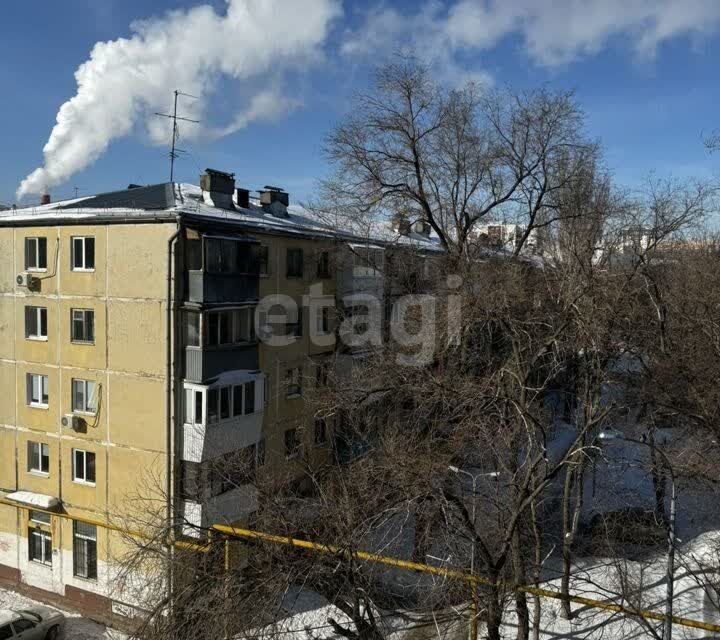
40	546
84	550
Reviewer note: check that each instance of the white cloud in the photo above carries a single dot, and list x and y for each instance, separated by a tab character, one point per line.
124	81
553	32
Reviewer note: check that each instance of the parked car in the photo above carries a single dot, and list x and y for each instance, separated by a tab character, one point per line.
36	623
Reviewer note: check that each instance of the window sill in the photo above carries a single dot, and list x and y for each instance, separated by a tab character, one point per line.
39	474
293	396
79	270
40	563
45	407
84	579
85	343
84	483
83	414
35	270
37	338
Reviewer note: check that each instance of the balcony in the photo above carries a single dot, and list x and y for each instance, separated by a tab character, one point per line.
209	287
204	442
204	363
233	507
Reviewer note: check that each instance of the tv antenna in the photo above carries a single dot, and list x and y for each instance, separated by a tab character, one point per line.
174	152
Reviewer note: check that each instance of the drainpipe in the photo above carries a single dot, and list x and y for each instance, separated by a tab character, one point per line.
170	414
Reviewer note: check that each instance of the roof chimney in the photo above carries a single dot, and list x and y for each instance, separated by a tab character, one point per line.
401	224
45	198
275	201
219	187
243	198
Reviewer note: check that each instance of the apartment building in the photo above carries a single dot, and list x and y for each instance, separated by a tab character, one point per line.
131	363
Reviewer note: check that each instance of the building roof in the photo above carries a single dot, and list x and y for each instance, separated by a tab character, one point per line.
171	201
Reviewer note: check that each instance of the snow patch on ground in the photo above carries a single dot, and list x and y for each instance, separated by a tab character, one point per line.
76	628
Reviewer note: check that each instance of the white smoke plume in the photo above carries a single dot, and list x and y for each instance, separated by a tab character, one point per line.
126	80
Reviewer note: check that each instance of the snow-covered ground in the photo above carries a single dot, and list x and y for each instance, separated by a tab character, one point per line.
77	627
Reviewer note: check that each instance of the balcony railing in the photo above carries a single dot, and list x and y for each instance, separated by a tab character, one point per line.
207	287
204	363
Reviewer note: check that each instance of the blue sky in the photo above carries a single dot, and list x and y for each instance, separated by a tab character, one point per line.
646	77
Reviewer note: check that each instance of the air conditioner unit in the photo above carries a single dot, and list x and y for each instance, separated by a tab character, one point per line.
71	421
27	280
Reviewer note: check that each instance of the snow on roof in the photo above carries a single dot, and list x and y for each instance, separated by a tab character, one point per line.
190	202
39	500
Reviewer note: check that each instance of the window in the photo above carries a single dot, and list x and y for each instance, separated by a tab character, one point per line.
321	374
83	466
35	254
320	432
293	380
230	326
36	323
224	403
84	550
294	263
21	625
262	259
6	632
249	406
323	320
38	457
224	256
83	253
37	390
323	270
190	480
40	546
193	409
295	327
82	325
40	517
212	411
192	329
83	396
292	443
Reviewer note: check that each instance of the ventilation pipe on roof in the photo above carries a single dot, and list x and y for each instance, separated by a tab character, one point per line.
218	188
45	198
243	198
401	224
275	201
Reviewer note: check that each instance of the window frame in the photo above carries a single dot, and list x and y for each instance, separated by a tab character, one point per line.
75	477
41	452
323	432
90	552
88	409
293	382
291	454
46	552
323	265
294	268
86	313
43	388
37	242
40	318
73	255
